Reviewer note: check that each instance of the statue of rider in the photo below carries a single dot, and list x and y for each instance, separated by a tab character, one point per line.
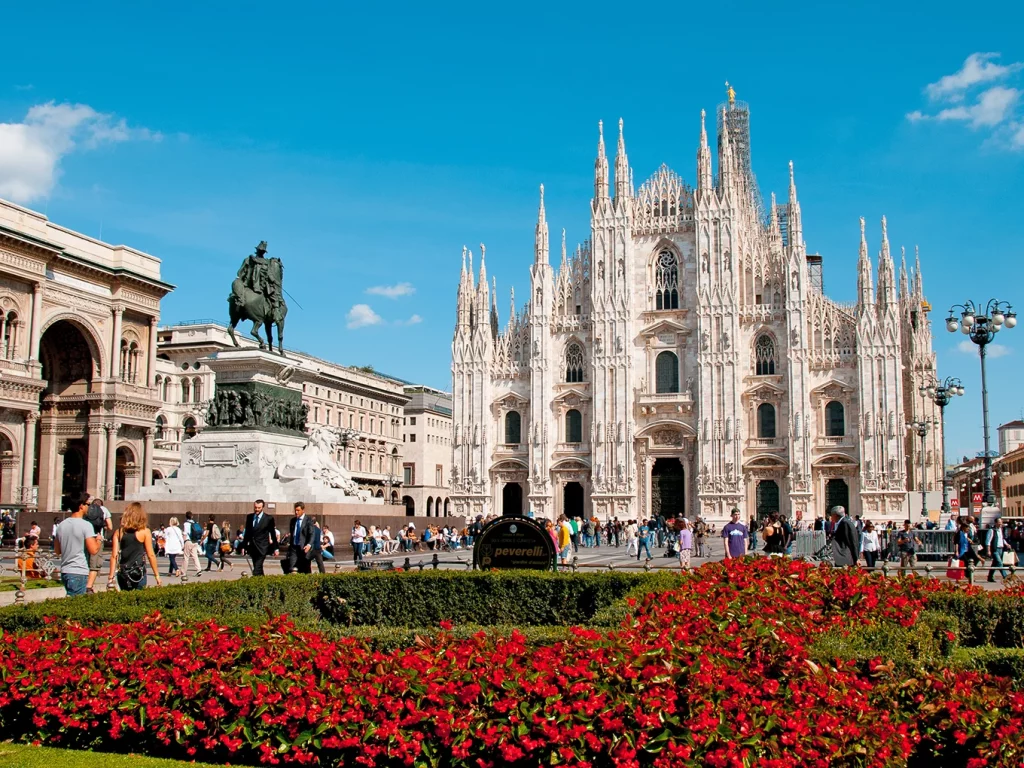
255	275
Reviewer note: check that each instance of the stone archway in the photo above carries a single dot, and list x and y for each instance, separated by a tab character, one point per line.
512	499
572	499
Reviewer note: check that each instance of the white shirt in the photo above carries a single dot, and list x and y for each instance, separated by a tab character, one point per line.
358	534
994	538
869	542
174	541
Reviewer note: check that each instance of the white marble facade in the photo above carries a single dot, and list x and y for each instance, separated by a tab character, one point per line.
684	360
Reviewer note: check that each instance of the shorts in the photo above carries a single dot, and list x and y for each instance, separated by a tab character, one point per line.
908	559
564	554
96	561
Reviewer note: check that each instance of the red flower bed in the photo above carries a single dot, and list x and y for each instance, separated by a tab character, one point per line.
714	673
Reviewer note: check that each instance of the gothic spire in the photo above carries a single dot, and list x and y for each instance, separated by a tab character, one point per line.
795	223
703	158
886	270
540	247
918	280
724	157
904	280
774	233
483	268
511	304
865	284
600	165
623	180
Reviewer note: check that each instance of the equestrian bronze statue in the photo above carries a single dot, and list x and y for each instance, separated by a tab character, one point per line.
257	294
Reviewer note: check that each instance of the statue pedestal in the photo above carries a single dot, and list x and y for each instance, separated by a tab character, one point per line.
237	458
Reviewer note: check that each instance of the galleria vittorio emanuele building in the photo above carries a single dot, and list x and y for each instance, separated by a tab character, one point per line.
685	360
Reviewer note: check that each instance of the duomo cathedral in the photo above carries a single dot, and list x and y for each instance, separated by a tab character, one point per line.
684	360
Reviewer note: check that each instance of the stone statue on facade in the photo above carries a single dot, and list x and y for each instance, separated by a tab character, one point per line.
257	294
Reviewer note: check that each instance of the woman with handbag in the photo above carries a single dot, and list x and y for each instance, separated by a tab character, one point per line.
211	542
224	545
133	546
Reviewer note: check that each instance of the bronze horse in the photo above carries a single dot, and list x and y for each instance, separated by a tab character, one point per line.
246	304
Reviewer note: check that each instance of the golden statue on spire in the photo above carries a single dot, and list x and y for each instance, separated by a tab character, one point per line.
730	93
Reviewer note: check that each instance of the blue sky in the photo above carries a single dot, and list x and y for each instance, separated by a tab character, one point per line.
368	144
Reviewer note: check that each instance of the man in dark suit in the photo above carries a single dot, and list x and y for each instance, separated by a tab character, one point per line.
260	537
845	539
303	533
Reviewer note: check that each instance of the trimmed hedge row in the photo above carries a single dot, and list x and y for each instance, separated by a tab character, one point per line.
984	620
379	601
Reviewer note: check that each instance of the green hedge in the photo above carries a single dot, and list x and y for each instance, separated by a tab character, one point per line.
926	643
1006	662
985	619
517	598
384	599
246	602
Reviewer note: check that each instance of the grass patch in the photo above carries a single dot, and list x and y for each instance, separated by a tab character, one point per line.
19	756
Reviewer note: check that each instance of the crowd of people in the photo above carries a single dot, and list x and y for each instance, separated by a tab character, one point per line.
80	539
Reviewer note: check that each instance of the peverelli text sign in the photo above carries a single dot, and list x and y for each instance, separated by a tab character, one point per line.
514	542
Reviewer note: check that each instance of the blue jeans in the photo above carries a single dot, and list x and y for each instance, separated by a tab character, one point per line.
644	544
74	583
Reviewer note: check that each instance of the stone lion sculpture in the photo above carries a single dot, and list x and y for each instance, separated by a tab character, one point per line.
316	462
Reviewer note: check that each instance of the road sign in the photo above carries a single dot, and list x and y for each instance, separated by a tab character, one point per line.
954	503
976	498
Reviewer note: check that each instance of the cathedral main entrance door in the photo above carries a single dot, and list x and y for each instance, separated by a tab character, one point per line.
512	499
767	498
668	488
572	500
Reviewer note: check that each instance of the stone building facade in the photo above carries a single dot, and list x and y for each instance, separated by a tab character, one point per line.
427	432
78	400
685	360
365	406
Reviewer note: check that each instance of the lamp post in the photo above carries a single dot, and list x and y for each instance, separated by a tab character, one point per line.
981	327
941	395
922	427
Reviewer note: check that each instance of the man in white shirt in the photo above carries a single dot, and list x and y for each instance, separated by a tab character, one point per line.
632	538
995	543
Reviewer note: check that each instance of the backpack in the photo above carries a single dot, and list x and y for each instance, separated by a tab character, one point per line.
195	531
94	516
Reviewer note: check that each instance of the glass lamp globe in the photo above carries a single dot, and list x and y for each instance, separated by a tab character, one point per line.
965	329
998	317
1011	319
968	319
952	324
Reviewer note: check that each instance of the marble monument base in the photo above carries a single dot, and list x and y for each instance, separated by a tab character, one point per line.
235	465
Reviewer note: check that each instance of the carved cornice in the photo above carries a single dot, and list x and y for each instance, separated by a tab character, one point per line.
23	263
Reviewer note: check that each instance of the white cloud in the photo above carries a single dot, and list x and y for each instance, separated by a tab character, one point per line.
992	108
362	315
978	68
31	151
968	347
392	291
414	320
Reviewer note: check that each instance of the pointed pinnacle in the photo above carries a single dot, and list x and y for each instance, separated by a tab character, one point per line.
600	138
563	245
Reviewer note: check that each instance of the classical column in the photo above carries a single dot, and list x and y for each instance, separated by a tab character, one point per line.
147	458
111	458
115	343
50	454
94	462
28	452
36	321
8	475
151	365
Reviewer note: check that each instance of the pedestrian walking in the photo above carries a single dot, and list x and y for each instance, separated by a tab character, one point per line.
74	542
193	534
260	537
685	544
907	543
643	540
357	540
132	548
845	542
174	546
211	543
995	543
869	544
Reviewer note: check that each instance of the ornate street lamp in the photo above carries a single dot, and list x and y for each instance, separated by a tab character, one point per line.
941	395
922	427
981	327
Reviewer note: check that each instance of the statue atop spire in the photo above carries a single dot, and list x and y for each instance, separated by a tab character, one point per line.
730	93
703	158
623	177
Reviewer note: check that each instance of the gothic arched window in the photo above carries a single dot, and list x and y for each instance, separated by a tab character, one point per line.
161	422
574	363
186	387
573	426
666	369
666	281
764	356
513	428
766	420
835	419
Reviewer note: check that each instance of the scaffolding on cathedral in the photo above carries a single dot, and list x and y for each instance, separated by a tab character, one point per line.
734	118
